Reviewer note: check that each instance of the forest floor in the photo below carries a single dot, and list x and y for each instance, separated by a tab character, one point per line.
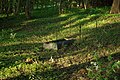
95	54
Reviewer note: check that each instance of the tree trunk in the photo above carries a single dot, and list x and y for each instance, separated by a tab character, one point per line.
10	6
115	7
6	8
27	9
85	4
60	6
82	1
37	4
17	7
0	6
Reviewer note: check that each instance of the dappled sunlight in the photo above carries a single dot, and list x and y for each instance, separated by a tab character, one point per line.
64	31
63	15
28	21
22	54
105	19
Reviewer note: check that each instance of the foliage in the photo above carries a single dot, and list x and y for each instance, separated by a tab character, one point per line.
100	70
16	7
95	30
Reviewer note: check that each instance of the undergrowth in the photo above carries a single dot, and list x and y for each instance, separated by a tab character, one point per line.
96	34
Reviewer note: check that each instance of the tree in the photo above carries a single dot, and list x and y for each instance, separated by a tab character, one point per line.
115	7
1	6
27	9
17	7
85	4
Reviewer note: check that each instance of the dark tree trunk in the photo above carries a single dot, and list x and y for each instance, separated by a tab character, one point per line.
0	6
10	6
82	1
27	9
17	7
115	7
86	4
60	6
37	4
6	8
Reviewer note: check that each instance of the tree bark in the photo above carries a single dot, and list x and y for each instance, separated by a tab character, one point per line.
27	9
60	6
6	8
18	7
1	6
85	4
115	9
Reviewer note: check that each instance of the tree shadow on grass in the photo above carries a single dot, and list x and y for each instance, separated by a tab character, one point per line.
102	37
91	41
11	60
57	74
39	26
15	21
106	35
15	53
56	27
21	47
67	73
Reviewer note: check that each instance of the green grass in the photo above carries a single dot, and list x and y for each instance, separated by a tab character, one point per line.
22	39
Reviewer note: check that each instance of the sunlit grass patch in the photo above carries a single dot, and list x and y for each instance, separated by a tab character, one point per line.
97	32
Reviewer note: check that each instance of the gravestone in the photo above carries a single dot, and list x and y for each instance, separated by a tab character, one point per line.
58	44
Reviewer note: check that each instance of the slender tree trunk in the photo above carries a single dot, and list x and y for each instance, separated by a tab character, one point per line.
70	6
0	6
14	6
3	6
6	7
17	7
27	9
37	4
10	7
79	2
85	4
60	6
115	7
82	2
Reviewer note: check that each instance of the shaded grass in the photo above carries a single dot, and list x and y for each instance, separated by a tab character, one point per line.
76	71
30	34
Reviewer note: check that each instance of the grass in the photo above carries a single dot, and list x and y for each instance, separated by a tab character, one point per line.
22	56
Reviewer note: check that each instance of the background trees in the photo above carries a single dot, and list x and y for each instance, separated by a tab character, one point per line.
17	6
